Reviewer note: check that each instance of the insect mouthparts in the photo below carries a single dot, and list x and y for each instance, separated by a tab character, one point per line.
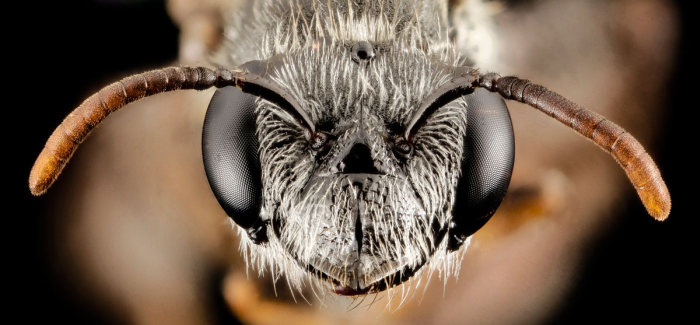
348	291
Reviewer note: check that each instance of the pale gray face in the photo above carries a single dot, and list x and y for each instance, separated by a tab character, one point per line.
355	210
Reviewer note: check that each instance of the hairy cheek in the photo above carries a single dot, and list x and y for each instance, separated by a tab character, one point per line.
286	170
433	173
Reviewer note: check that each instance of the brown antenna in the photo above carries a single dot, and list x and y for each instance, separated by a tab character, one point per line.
627	151
77	125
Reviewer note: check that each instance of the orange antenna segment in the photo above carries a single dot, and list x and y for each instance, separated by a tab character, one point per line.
627	151
77	125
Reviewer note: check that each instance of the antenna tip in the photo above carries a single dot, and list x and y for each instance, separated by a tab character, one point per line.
657	200
43	174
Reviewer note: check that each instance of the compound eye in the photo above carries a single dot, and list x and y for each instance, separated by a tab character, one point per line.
231	162
319	141
402	147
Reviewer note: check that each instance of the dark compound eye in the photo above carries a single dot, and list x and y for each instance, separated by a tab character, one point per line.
319	141
402	147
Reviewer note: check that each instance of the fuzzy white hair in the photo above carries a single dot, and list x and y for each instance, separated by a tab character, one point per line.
313	212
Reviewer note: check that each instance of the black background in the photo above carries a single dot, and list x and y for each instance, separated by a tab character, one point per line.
640	270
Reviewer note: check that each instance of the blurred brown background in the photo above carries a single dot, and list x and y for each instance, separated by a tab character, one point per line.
131	234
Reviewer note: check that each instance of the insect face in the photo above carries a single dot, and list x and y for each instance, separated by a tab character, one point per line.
358	203
361	213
